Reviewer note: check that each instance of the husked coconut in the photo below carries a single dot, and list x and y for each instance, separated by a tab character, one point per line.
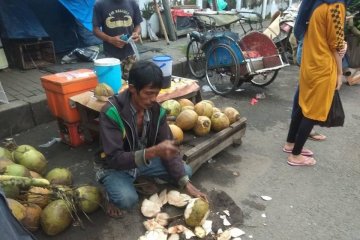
186	119
196	212
219	121
17	209
204	109
184	102
177	133
149	208
202	126
39	196
188	108
210	102
232	114
177	199
215	109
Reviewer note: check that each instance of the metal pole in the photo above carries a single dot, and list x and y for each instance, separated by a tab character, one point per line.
264	9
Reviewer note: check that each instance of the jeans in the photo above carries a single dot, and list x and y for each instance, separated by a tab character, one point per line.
119	183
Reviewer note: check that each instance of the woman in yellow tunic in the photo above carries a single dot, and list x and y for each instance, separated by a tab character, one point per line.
320	24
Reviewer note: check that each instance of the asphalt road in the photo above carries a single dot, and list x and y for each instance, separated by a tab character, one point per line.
319	202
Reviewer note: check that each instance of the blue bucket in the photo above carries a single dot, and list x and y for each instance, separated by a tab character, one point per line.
108	71
165	64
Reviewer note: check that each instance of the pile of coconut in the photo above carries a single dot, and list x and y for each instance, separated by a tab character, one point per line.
51	202
159	225
200	117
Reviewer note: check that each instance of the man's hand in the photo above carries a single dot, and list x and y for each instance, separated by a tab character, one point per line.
167	150
135	36
117	42
339	81
194	192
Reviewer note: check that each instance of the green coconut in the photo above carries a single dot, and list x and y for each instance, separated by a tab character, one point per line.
172	107
88	198
59	176
3	163
11	191
5	154
17	209
55	217
196	212
31	158
17	170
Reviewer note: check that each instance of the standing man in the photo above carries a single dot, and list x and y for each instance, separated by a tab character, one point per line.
111	20
137	141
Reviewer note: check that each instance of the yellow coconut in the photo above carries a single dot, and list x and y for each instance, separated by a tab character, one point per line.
173	107
185	102
232	114
103	91
215	109
204	109
186	120
32	218
219	121
177	133
188	108
209	101
202	126
17	209
39	196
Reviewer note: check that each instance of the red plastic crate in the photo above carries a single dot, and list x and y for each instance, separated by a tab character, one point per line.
71	133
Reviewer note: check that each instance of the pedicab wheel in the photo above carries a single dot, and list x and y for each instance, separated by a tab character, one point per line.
195	59
222	69
264	79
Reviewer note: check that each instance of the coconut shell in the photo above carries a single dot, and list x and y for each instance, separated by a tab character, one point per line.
32	219
59	176
177	133
202	126
196	212
204	109
17	209
219	121
186	120
39	196
88	198
55	217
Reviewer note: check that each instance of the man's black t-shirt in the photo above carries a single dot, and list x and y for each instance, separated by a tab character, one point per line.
117	17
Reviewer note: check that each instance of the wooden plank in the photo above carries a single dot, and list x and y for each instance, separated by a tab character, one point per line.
205	156
214	140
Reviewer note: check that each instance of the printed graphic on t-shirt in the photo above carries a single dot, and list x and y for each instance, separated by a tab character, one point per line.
119	18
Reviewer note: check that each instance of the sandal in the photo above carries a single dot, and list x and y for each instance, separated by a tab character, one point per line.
304	151
309	161
315	136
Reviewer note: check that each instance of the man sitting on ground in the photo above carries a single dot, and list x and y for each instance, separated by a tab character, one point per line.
137	141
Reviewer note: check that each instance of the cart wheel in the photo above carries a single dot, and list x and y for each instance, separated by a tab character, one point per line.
222	78
195	59
264	79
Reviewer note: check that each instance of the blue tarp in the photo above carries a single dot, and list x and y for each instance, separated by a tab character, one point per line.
82	11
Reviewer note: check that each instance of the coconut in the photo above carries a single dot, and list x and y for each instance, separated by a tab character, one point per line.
172	107
3	163
202	126
55	218
103	91
188	108
196	212
210	102
177	133
39	196
11	191
61	176
5	154
88	198
16	170
185	102
32	218
35	175
29	157
219	121
204	109
186	120
232	114
17	209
